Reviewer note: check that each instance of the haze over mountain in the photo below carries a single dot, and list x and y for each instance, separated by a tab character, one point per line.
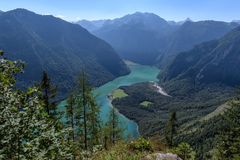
190	34
61	48
139	37
211	62
148	39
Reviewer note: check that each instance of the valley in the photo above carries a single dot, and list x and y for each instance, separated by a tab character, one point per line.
138	74
132	86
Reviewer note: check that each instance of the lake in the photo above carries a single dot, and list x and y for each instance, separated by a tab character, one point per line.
139	73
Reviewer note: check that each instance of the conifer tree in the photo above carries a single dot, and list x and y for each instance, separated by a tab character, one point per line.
171	128
87	116
48	93
70	115
114	128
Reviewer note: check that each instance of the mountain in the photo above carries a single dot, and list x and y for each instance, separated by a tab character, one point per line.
211	62
62	49
138	37
91	25
180	22
236	21
148	39
190	34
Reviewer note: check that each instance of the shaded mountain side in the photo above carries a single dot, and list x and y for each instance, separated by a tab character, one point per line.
61	48
211	62
198	81
148	39
190	34
139	37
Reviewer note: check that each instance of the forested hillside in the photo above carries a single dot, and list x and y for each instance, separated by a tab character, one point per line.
58	47
211	62
200	82
149	39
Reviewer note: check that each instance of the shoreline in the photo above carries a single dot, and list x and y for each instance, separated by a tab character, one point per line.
119	113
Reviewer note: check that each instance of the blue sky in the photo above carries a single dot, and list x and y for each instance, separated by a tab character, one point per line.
72	10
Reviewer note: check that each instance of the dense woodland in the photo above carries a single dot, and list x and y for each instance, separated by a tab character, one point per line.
31	127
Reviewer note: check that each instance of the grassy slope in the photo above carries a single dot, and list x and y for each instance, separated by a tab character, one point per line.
146	103
118	93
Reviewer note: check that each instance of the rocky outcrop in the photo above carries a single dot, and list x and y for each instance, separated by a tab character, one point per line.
162	156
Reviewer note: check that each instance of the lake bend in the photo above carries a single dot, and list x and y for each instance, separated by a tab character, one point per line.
139	73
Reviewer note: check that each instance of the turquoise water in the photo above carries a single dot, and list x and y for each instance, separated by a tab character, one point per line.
139	73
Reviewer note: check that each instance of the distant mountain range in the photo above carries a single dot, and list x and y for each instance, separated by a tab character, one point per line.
149	39
208	63
139	37
236	21
179	22
62	49
190	34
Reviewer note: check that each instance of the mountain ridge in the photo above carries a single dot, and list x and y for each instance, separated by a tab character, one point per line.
147	38
210	62
59	47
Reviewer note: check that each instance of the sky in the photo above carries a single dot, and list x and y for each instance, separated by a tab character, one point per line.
73	10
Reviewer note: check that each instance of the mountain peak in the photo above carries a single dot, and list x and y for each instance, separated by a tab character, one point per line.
144	15
188	19
20	10
145	18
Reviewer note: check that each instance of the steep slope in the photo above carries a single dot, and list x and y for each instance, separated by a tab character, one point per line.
61	48
190	34
212	62
199	81
139	37
148	39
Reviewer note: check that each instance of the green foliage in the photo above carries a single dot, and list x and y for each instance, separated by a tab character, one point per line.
171	128
26	130
82	116
228	145
113	130
141	144
120	151
184	151
119	93
146	103
49	92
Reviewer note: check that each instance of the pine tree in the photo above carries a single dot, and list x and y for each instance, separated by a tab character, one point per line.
48	94
87	116
171	128
70	115
114	128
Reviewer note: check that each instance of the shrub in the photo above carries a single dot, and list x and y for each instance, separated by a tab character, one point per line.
184	151
141	144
